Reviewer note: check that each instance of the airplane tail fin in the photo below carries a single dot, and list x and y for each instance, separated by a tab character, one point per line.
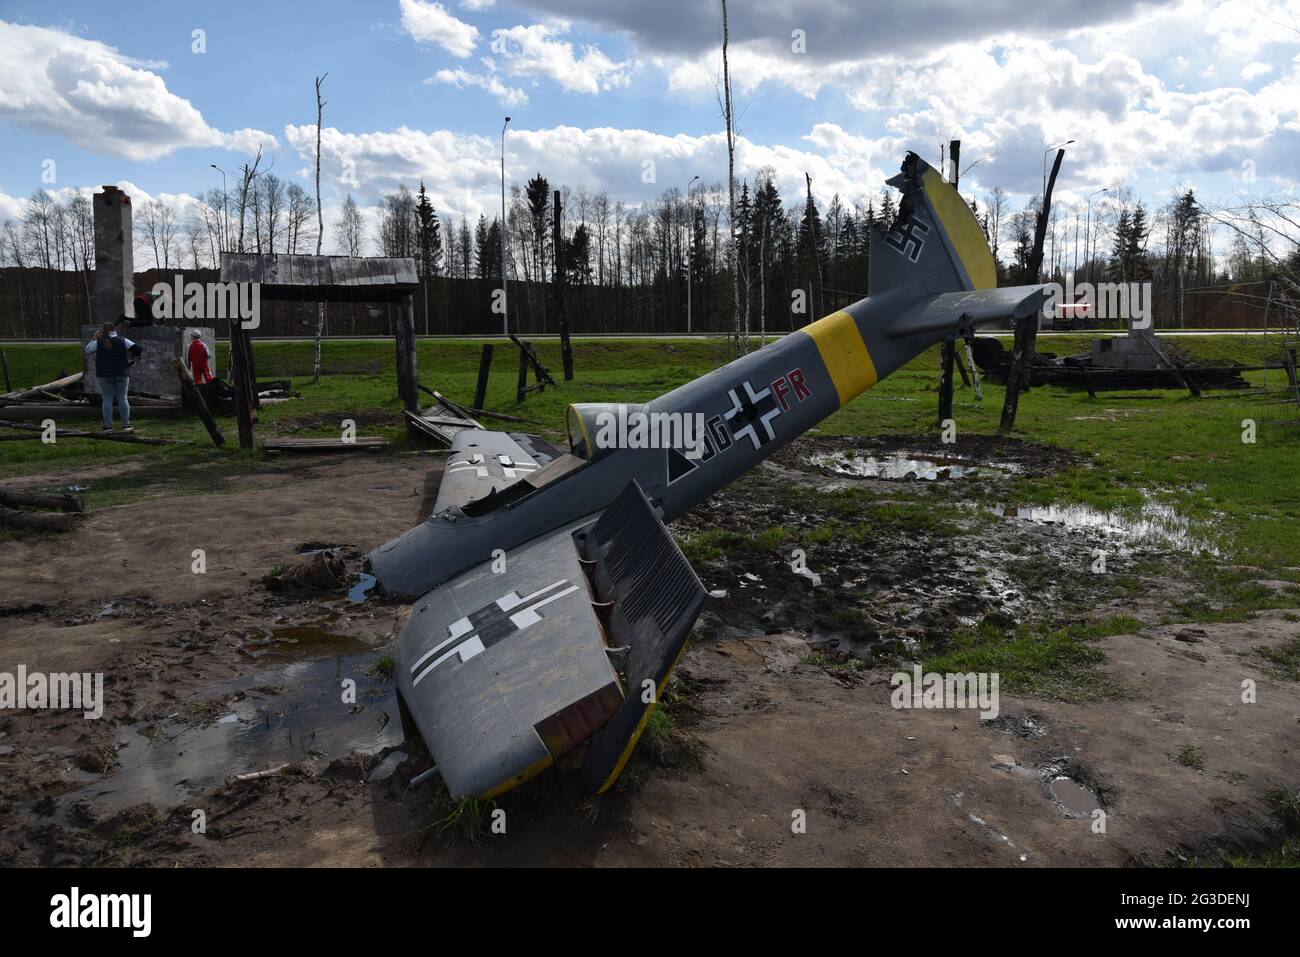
935	245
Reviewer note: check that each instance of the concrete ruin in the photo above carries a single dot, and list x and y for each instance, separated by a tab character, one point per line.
114	297
114	256
153	373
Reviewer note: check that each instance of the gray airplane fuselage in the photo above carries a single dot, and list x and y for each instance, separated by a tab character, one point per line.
752	407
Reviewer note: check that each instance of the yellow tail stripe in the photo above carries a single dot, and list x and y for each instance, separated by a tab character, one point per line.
844	354
963	231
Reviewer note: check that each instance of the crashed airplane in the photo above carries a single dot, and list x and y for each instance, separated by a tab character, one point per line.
551	603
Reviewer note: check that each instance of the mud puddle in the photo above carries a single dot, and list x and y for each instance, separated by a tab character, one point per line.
298	708
904	466
1152	524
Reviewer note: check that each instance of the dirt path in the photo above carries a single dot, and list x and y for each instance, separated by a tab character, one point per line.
782	705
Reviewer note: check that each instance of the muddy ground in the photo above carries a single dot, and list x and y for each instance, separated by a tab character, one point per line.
780	711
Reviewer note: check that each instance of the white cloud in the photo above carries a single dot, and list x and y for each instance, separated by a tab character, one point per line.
460	78
431	23
535	51
1255	69
462	172
99	99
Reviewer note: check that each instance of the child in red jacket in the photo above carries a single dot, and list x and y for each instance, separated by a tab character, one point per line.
198	358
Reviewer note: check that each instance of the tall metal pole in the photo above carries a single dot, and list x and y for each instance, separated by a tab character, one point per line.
505	301
1045	152
225	216
690	254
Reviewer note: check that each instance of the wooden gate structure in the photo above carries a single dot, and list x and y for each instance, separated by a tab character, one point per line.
324	279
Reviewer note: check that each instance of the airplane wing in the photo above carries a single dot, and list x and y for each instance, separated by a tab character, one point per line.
953	310
570	639
481	461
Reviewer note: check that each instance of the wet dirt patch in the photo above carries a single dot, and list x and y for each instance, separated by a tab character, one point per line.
1152	523
904	466
997	454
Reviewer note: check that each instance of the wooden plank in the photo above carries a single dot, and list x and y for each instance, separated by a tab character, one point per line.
404	272
360	443
344	270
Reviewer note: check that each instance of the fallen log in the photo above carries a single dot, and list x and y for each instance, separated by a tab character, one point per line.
107	436
39	521
34	391
62	501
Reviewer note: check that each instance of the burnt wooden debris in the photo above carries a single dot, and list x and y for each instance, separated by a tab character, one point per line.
442	420
362	443
294	278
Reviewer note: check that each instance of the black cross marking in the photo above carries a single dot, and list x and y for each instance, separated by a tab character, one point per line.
753	408
908	237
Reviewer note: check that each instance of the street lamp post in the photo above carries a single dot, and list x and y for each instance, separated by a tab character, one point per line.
225	215
690	257
1045	152
1087	231
505	301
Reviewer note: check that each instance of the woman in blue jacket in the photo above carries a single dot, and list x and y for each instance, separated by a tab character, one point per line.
113	355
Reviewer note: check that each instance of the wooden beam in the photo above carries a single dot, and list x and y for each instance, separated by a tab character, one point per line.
106	436
38	521
484	367
192	393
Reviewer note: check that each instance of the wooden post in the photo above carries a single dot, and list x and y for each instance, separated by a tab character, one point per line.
484	367
1027	329
404	334
522	388
947	355
566	350
948	351
240	384
4	362
191	392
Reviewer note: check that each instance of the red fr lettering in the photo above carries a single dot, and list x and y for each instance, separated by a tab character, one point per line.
801	391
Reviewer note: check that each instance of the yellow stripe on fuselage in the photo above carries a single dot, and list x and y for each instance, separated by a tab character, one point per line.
844	354
963	231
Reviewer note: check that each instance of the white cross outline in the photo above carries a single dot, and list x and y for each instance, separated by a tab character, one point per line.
511	468
473	646
754	398
474	462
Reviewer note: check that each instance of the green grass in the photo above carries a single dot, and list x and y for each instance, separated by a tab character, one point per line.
1283	659
1032	660
1190	756
1189	451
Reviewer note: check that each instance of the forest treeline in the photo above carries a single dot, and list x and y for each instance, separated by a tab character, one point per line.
626	267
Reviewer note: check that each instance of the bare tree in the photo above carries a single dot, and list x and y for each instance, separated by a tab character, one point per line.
320	229
350	229
731	195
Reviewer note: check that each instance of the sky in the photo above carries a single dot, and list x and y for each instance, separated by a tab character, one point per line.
622	96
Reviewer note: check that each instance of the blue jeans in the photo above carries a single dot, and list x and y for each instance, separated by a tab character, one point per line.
114	390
